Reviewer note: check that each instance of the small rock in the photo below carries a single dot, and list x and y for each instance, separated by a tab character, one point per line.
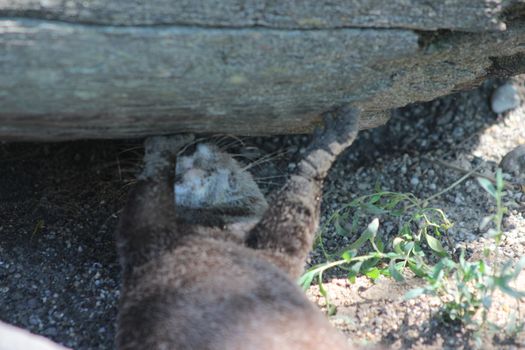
445	118
51	331
514	161
32	303
34	320
504	98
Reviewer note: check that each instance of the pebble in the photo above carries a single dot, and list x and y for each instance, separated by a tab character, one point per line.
514	161
51	331
32	303
34	320
504	99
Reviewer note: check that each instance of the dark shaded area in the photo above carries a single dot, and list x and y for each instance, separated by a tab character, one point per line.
58	266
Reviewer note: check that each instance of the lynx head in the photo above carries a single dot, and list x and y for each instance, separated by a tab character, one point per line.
212	179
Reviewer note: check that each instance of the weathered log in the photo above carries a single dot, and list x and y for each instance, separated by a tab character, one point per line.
465	15
94	69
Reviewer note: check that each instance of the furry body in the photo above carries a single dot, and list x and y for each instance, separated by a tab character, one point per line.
212	283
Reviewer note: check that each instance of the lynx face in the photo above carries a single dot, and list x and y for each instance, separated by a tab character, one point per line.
210	178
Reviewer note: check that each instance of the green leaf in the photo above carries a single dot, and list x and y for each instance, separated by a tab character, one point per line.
331	309
499	180
405	231
353	271
369	233
482	267
348	255
414	293
437	271
373	273
392	268
373	227
379	244
393	203
505	288
322	290
355	221
408	247
487	186
397	244
374	210
306	279
374	198
393	255
340	230
485	221
368	264
356	267
418	271
365	236
435	245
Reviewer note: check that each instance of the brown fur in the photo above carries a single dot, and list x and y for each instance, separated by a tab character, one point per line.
188	286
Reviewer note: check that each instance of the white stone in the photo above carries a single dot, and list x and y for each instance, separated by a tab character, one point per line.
504	98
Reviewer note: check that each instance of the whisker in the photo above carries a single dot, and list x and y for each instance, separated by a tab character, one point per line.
270	177
119	169
135	148
118	163
268	183
195	141
236	140
264	159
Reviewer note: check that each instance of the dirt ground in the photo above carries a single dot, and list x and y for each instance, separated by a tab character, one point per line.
59	204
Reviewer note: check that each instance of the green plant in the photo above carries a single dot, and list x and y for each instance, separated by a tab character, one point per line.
418	235
465	288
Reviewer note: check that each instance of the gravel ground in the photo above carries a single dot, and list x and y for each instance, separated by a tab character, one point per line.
424	149
59	204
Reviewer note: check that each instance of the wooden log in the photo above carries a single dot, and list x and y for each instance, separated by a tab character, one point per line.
65	80
465	15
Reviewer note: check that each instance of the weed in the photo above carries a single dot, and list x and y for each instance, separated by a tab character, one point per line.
465	288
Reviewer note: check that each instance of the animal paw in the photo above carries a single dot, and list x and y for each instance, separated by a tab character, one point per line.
340	129
167	145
